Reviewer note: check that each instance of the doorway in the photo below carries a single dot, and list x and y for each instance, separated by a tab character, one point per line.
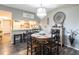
6	27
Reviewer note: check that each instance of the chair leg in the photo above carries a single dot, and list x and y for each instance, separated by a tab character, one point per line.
57	50
31	44
27	49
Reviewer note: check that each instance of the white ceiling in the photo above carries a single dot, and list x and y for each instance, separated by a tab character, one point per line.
33	7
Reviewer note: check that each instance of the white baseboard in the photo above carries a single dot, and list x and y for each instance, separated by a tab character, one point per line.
72	47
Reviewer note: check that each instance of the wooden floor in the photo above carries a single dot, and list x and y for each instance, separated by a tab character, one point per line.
6	39
6	48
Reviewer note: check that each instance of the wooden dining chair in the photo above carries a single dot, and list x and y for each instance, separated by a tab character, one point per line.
29	42
53	43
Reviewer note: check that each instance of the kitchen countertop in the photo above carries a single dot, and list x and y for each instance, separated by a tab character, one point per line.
19	31
22	29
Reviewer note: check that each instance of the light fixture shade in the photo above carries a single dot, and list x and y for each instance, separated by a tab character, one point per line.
41	12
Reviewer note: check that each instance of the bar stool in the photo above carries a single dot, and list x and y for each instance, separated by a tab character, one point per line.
17	38
25	37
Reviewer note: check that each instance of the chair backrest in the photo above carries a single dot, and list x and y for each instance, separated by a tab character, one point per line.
55	35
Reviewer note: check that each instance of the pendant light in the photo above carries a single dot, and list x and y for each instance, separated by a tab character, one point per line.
41	12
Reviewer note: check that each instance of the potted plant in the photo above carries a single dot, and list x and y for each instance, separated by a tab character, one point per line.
72	36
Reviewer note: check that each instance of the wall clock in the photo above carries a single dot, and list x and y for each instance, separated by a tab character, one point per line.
59	18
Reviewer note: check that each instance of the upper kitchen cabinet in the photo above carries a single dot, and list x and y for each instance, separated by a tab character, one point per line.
5	15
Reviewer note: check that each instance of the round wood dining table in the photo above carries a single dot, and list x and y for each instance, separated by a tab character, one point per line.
42	38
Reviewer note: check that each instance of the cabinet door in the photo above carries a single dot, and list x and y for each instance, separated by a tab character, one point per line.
7	26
